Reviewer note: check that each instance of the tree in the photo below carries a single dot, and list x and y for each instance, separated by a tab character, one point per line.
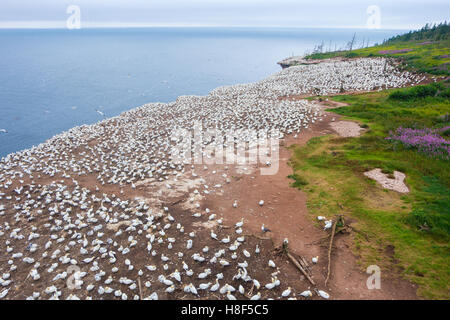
352	42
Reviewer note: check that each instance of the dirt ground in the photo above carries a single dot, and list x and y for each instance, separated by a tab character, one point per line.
285	214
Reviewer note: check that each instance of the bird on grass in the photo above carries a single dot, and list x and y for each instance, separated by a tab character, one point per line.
264	229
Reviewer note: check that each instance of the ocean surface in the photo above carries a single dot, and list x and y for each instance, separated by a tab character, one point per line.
53	80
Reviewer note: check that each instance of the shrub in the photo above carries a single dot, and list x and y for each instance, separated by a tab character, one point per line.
444	93
299	181
434	215
351	55
394	51
418	92
427	141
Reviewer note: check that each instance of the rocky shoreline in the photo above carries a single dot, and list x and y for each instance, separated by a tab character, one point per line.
297	60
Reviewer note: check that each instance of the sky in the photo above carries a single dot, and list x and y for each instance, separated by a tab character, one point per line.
391	14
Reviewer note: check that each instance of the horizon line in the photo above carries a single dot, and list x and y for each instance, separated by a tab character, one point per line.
89	25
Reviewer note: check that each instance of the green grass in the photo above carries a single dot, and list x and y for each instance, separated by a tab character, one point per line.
419	92
429	50
430	32
427	58
387	112
416	224
299	182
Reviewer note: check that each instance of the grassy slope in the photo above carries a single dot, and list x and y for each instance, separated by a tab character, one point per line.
330	170
423	57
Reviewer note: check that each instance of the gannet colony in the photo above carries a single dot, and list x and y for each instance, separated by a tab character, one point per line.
82	216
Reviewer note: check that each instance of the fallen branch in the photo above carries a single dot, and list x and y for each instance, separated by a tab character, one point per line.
333	232
304	263
297	264
285	250
359	231
250	292
345	229
177	202
140	288
257	237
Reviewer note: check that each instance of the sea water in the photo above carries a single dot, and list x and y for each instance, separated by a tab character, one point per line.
52	80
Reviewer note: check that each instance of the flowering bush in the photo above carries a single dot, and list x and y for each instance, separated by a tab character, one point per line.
427	141
394	51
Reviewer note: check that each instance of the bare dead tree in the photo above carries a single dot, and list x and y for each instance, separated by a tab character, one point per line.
352	42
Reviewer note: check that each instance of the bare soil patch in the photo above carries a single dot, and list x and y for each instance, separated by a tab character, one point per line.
346	128
396	183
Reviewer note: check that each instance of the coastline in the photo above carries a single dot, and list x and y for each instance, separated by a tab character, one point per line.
126	141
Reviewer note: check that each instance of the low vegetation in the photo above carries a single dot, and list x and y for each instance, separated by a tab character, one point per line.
436	32
425	50
409	232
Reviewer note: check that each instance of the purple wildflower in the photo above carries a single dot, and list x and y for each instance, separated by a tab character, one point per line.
427	141
394	51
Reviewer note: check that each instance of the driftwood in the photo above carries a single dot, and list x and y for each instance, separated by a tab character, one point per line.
340	220
304	269
297	264
325	241
140	288
177	202
249	294
340	228
256	236
304	263
359	231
